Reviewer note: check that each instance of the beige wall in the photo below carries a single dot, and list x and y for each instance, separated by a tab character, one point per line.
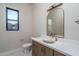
11	39
39	18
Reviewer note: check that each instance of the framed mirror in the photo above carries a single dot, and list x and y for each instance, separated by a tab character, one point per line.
12	19
55	22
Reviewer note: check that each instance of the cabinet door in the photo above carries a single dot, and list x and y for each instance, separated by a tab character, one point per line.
49	52
58	54
36	49
46	51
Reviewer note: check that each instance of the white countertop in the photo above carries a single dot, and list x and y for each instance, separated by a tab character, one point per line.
65	46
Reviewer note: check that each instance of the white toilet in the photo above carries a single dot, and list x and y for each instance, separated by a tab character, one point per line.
27	47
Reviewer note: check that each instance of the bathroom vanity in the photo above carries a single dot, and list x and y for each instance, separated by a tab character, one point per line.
41	50
63	47
55	28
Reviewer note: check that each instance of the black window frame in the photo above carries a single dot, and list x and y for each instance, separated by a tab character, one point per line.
7	8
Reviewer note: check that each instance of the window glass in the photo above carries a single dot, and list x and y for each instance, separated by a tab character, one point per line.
12	19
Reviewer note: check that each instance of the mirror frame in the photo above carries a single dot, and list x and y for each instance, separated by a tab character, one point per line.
63	21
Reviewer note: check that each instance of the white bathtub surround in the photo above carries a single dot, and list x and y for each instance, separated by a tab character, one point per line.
17	52
65	46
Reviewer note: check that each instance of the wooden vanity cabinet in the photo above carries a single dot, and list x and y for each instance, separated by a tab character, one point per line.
41	50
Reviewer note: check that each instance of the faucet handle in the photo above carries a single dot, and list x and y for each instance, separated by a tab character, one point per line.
50	34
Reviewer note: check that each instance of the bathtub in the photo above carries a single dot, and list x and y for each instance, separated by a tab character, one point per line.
22	51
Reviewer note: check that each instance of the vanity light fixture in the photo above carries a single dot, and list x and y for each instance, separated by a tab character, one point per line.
54	6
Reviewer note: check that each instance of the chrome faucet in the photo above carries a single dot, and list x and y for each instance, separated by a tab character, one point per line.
53	35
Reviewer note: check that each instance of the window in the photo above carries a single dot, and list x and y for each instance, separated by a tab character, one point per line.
12	19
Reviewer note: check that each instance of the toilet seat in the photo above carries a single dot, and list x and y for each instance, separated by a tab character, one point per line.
27	45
